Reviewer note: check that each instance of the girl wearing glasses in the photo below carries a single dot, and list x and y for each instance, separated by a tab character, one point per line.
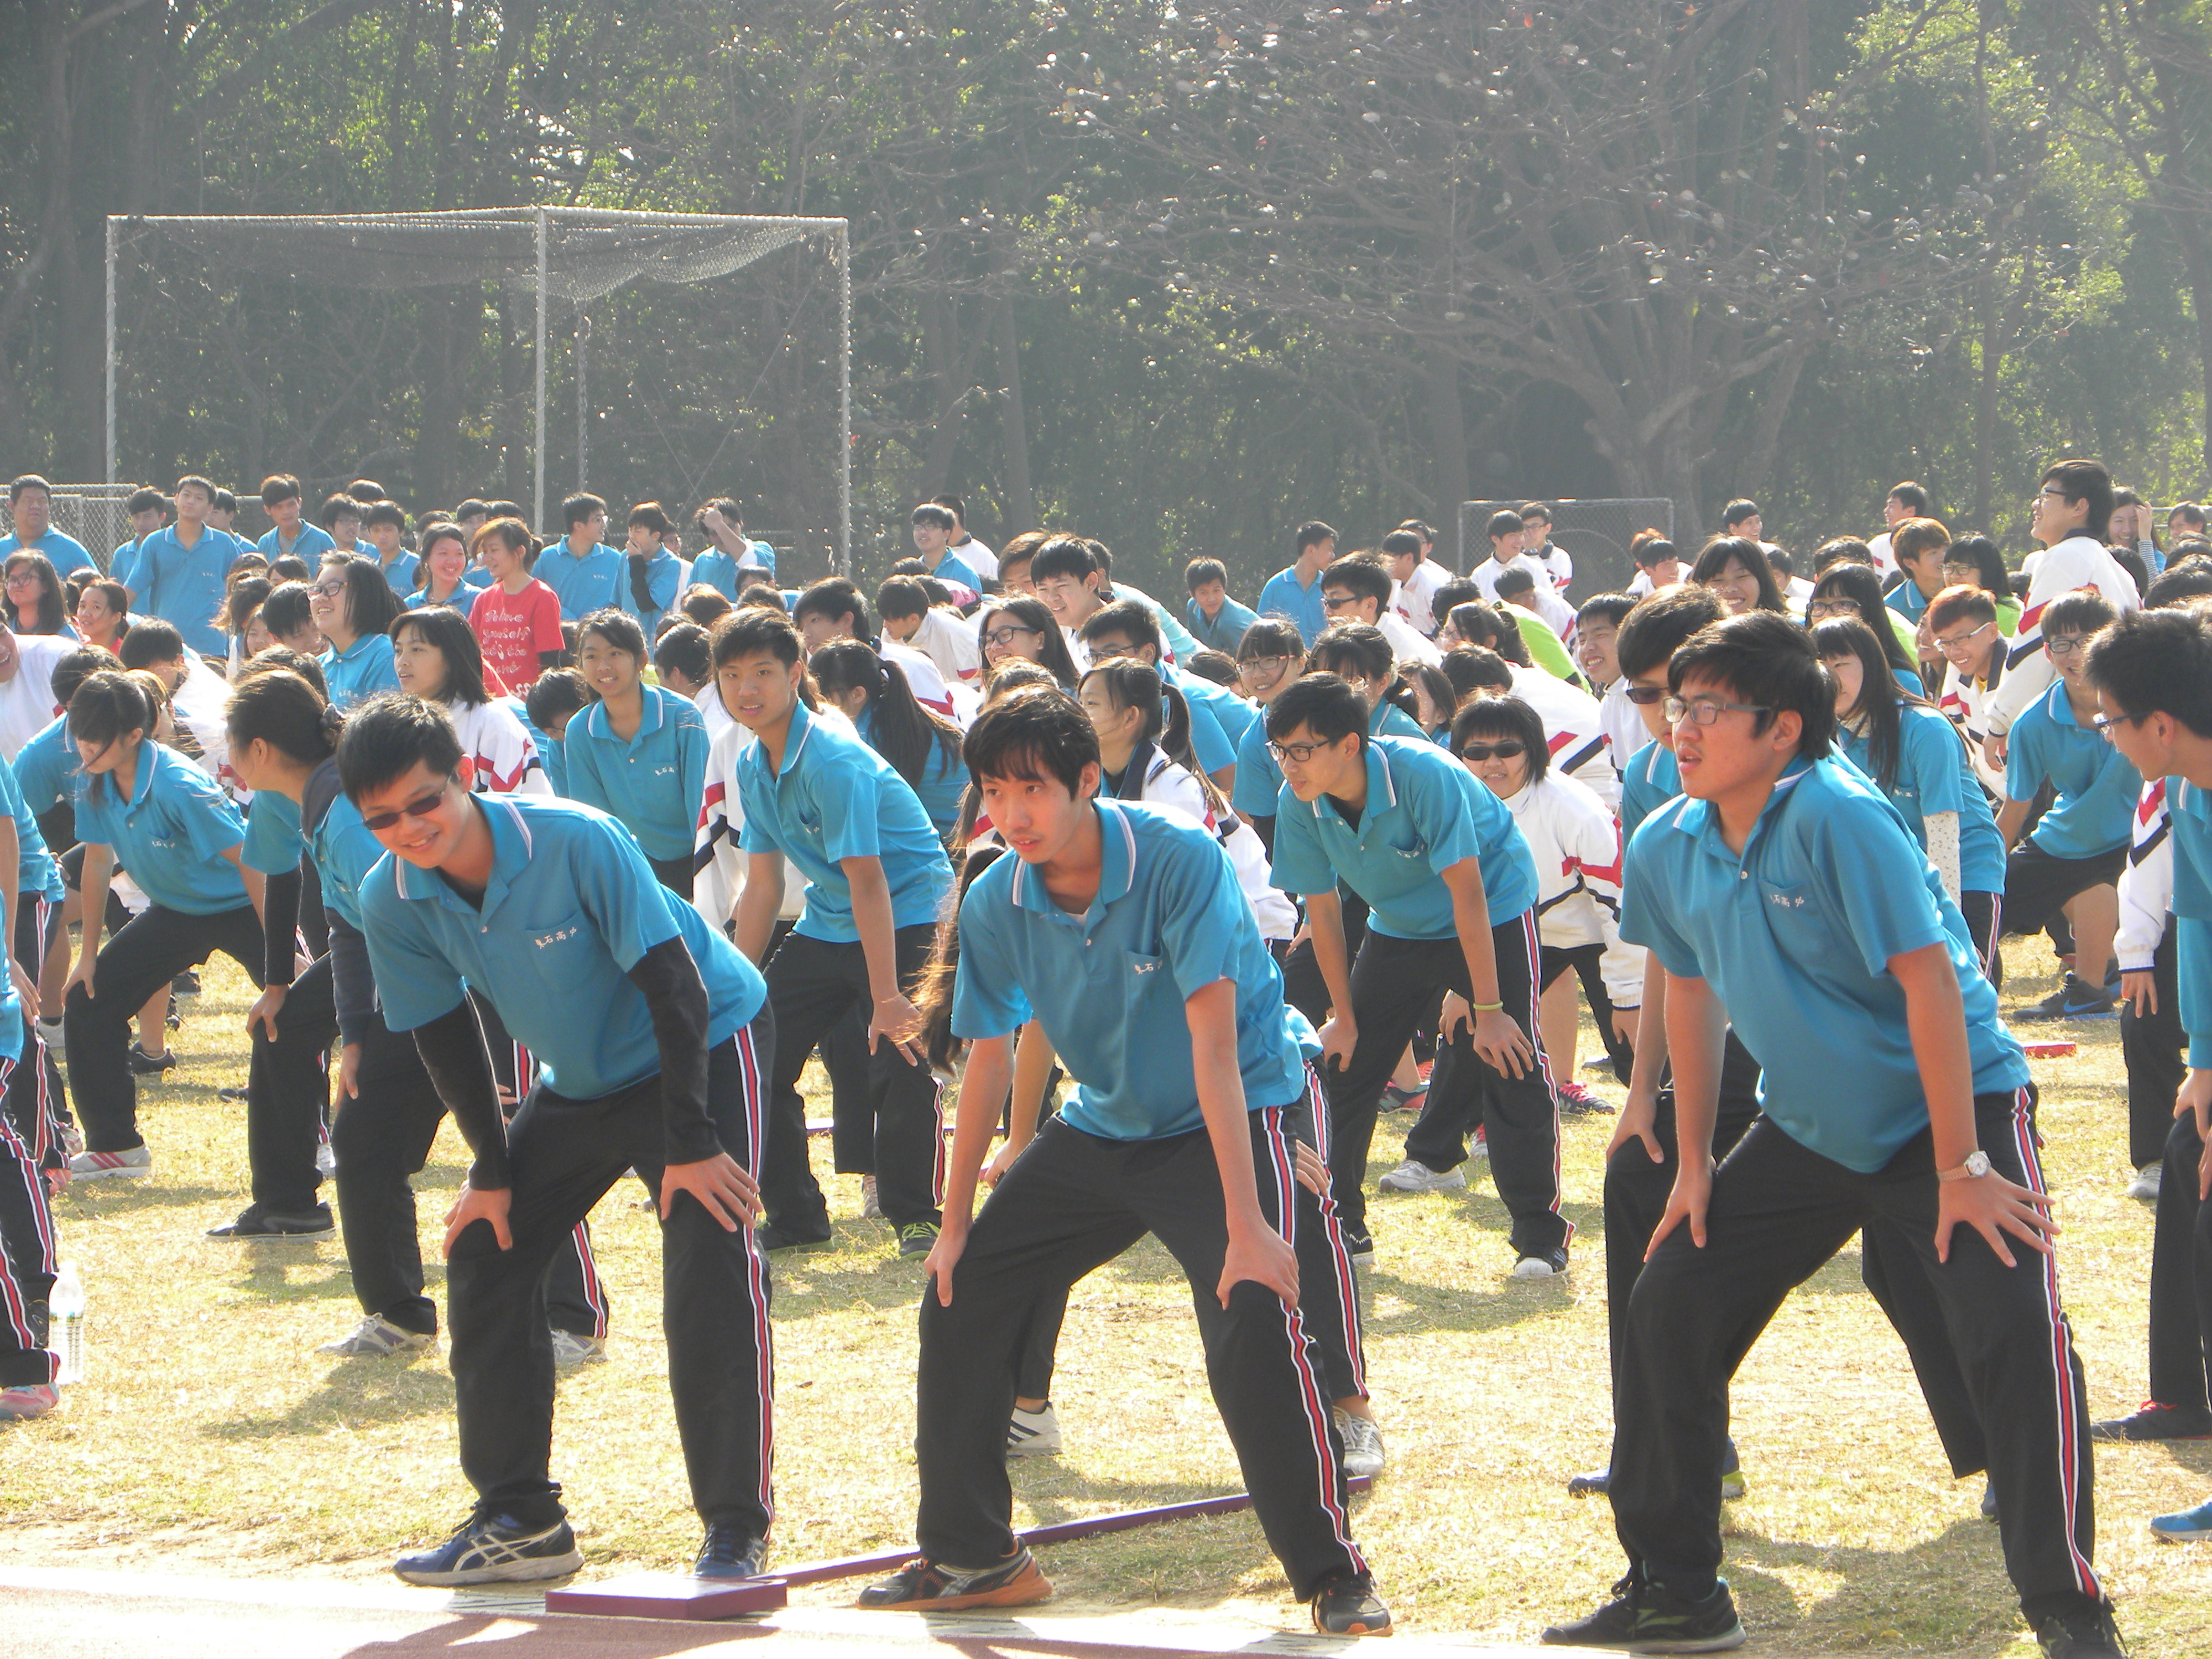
922	746
436	657
1974	562
354	608
1022	630
1850	589
34	596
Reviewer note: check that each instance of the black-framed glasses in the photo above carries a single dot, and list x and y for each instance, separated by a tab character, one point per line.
2065	648
1251	664
1005	636
1644	696
2105	723
1505	749
420	807
1704	711
1821	610
1300	752
1958	640
329	589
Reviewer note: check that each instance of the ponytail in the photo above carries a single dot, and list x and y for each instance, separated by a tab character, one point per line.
279	708
905	732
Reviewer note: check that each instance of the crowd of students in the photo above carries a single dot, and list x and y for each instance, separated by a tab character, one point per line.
1243	877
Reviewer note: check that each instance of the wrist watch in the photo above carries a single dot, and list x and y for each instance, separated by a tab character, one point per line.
1976	1166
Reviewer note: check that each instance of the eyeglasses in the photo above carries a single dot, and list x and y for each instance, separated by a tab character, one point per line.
1108	650
2105	723
23	579
1506	749
1820	609
1300	752
1957	640
1003	636
2065	648
1251	665
1644	696
420	807
331	589
1704	711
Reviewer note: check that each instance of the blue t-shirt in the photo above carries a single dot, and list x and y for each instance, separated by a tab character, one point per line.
462	599
1230	712
184	585
1933	776
571	907
1652	778
1259	786
122	563
837	799
1795	937
47	769
309	546
1425	812
399	575
1110	985
171	835
661	570
655	782
552	753
1226	629
582	584
2097	786
361	671
718	571
954	569
341	846
36	872
1284	597
944	779
65	553
2188	816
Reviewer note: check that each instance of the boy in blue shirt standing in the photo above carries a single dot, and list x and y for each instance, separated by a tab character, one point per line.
1450	889
1785	893
1118	929
291	537
651	1035
1217	622
180	571
583	570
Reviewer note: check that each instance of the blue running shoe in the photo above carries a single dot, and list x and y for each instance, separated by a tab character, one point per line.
2185	1526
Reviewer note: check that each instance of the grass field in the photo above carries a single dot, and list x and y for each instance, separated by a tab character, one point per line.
210	1437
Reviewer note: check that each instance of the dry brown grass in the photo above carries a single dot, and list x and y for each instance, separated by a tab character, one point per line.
213	1438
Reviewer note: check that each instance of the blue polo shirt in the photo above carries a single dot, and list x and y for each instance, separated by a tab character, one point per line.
661	571
1284	597
399	575
36	871
2189	813
2097	787
64	553
462	599
837	799
584	584
1226	630
309	546
571	907
954	569
122	564
943	780
1933	776
361	671
47	767
655	782
1795	937
184	585
718	571
1259	786
343	850
1905	599
1424	813
1652	778
1110	985
1230	712
554	754
171	835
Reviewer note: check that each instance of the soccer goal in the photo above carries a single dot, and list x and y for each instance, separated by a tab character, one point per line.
222	341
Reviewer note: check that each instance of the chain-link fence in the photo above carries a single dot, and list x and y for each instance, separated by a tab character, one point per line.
93	512
1595	534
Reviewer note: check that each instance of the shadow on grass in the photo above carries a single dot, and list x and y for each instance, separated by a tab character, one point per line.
354	1395
1949	1592
629	1639
131	1197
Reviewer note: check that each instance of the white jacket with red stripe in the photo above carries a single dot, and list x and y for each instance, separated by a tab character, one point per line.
2146	883
2078	562
1574	729
1576	842
497	744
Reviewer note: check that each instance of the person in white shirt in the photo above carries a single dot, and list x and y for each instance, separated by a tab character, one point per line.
1504	532
1796	590
832	609
973	553
1537	542
1358	589
1597	634
1658	563
2073	509
1418	578
26	686
1529	591
943	635
1574	731
1905	500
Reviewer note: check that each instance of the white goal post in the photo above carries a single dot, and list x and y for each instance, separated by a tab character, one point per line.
570	253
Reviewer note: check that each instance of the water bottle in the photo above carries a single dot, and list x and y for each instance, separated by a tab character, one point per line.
65	1331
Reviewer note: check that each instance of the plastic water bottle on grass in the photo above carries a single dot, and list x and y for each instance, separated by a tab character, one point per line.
65	1332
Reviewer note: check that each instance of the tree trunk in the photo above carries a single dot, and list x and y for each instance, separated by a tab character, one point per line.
1446	420
1013	423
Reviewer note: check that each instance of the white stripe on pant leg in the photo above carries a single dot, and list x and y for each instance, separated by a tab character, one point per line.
2085	1575
594	1295
756	1280
14	1300
1339	1253
1544	1064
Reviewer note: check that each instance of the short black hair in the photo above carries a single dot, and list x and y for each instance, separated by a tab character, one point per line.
752	629
2082	480
282	656
579	507
366	490
1651	551
1656	628
195	481
1738	510
1199	572
1476	623
1475	668
2191	578
1504	717
1910	495
653	516
2158	662
444	628
1767	660
1063	556
619	629
2082	612
1459	590
150	640
386	736
473	508
1504	522
1514	580
1270	636
1961	602
1402	541
933	512
1535	510
1841	549
959	507
1362	576
1358	644
1324	705
685	648
1038	732
833	597
1612	608
73	669
900	597
146	499
25	481
287	609
1216	666
556	694
108	703
1313	533
1130	619
337	506
381	513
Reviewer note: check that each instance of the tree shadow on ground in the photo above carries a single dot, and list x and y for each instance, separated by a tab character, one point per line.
352	1396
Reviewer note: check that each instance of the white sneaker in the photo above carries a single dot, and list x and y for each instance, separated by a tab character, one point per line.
96	1166
20	1404
1363	1443
50	1032
2146	1183
326	1161
1034	1434
1415	1177
375	1337
872	1207
570	1349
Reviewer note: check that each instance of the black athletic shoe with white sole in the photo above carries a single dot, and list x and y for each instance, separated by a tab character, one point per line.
2080	1633
1647	1618
495	1549
925	1586
729	1552
1347	1605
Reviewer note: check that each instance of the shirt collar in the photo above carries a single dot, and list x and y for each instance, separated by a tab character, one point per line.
795	741
2060	705
1698	819
1117	869
649	716
512	846
355	649
1382	788
150	754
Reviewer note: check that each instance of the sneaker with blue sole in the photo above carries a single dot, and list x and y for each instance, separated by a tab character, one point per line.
2185	1526
495	1549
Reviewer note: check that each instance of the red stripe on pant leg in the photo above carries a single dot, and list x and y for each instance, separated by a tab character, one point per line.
1544	1064
594	1295
2085	1576
757	1281
1283	1166
936	1139
1339	1253
14	1301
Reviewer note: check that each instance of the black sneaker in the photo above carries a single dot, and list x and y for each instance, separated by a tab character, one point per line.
779	1236
916	1240
1646	1618
729	1551
1014	1583
145	1065
255	1223
2074	998
1360	1245
495	1549
2152	1421
1989	1500
2080	1633
1347	1605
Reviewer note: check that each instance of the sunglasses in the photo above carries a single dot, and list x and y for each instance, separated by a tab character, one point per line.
420	807
1644	696
1506	749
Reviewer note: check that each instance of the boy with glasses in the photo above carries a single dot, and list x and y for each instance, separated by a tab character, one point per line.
1962	624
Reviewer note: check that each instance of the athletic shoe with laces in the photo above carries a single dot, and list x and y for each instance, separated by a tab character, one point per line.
97	1166
730	1551
2152	1421
1347	1605
1396	1099
2185	1526
1549	1264
374	1338
780	1235
145	1065
2080	1633
495	1549
570	1349
2144	1188
2074	998
1360	1245
1034	1434
1014	1583
1988	1499
872	1207
1363	1443
1415	1177
256	1224
1650	1619
1591	1483
20	1404
50	1032
916	1240
1576	1101
1598	1483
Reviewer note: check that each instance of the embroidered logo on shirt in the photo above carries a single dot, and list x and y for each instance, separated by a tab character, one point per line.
555	938
1144	967
1788	902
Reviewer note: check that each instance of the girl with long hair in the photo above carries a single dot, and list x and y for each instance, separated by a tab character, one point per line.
354	608
34	592
1849	589
103	613
922	746
436	657
1736	569
1021	629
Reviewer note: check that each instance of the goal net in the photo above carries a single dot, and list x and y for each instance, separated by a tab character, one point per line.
515	353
